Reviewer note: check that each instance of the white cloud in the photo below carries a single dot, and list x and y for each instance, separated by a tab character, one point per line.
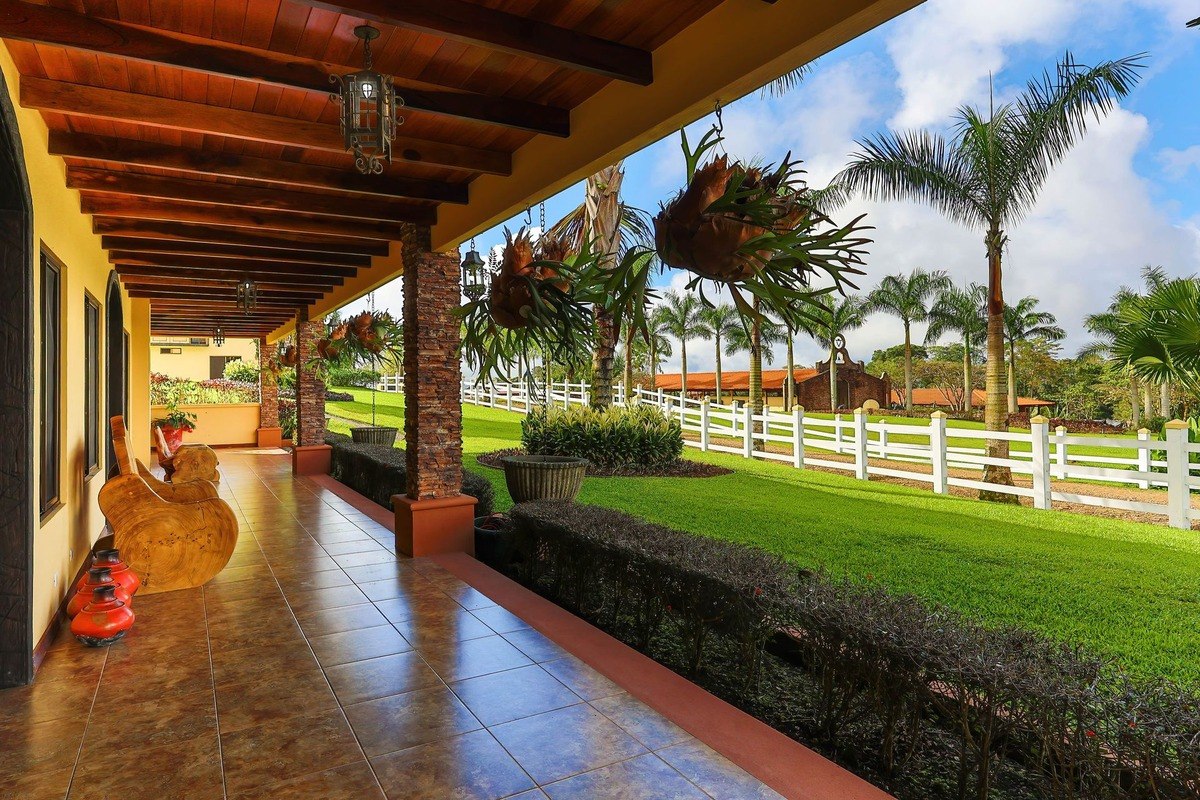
1177	164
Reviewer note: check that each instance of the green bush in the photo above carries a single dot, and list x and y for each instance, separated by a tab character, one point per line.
615	437
1154	424
352	376
241	370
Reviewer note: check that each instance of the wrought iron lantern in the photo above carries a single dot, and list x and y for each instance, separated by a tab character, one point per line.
247	295
473	270
370	110
218	336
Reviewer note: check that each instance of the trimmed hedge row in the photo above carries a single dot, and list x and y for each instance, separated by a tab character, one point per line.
378	472
913	697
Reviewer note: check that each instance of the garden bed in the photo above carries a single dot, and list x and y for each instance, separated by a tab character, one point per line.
681	468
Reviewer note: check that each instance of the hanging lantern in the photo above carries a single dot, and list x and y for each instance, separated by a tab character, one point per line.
472	274
370	110
218	336
247	295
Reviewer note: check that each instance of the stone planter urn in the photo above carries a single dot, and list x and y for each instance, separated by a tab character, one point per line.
374	434
543	477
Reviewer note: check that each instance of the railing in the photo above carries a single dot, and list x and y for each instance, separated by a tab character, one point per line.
918	452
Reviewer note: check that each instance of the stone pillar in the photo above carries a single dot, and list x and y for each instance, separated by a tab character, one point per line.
310	454
270	434
433	516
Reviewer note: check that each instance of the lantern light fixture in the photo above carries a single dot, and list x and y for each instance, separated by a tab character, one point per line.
247	295
218	336
370	110
472	273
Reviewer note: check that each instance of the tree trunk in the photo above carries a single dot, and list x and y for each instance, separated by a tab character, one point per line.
833	392
994	416
755	390
1147	399
602	213
1164	400
1012	378
1135	412
628	362
789	382
717	339
908	388
653	363
968	386
683	365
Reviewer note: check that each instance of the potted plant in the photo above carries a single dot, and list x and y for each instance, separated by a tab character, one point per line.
371	336
543	477
174	424
492	539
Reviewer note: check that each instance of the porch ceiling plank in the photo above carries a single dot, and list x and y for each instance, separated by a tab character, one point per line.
231	252
161	112
224	293
203	262
494	29
263	285
227	194
63	28
134	152
209	233
114	205
230	276
176	319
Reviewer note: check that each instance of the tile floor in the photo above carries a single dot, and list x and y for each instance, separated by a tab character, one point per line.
321	665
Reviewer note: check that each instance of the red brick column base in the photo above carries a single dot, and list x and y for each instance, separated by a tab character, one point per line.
428	527
314	459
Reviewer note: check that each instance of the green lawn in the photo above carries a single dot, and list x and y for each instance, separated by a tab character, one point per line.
1128	590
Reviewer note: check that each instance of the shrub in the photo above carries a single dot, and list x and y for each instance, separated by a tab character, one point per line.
184	392
351	376
241	370
377	471
912	696
1084	426
287	418
609	438
1154	424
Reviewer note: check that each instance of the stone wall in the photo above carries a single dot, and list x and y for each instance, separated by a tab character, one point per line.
310	389
268	386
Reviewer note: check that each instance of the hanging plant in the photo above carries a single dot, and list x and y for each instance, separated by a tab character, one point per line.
288	357
535	301
370	336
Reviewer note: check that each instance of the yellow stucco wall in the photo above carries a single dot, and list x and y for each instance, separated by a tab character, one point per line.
192	361
64	536
220	424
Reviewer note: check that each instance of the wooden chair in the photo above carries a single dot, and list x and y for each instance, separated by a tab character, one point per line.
190	462
177	539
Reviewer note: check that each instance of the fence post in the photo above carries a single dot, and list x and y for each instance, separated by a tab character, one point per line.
1060	452
704	424
798	436
837	433
1179	500
883	441
733	417
566	395
860	445
937	451
748	431
1039	431
1143	457
508	394
661	403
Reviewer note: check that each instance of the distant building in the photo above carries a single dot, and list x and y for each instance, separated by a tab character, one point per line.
949	398
196	357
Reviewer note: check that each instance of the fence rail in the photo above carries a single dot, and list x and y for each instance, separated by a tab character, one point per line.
924	453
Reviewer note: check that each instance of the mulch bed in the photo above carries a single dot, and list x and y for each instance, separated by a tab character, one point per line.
682	468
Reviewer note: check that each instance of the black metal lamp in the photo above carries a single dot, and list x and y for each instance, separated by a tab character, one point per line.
472	273
218	336
370	110
247	295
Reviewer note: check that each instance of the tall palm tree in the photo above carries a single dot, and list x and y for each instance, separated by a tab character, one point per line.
720	322
658	344
964	312
829	323
988	175
908	297
755	335
1159	334
1022	323
1106	326
681	316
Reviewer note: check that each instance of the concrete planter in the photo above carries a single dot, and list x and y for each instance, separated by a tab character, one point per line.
374	435
543	477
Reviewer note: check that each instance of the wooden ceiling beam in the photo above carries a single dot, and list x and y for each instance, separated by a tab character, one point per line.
222	293
63	28
210	282
115	205
133	152
226	194
242	266
89	101
477	25
232	253
214	233
230	276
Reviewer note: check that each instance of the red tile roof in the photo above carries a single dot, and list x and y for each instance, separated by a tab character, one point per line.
731	381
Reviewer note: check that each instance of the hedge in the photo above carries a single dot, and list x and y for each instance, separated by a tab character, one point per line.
379	472
610	438
913	697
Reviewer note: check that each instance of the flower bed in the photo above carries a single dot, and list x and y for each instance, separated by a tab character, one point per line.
912	697
165	390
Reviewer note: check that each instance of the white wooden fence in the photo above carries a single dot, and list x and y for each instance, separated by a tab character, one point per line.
1048	458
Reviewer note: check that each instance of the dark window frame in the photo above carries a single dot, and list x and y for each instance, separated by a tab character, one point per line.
50	361
92	325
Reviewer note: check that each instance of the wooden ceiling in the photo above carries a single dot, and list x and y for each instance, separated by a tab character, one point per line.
203	142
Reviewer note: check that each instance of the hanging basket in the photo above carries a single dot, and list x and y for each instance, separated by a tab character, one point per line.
374	434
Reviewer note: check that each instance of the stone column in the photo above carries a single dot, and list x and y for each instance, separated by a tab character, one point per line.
433	516
270	434
310	454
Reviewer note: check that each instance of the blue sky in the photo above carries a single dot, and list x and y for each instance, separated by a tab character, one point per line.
1128	195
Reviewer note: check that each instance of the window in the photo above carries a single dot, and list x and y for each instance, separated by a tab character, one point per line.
51	371
91	386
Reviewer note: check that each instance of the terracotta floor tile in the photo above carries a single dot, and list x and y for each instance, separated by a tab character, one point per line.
442	628
582	679
286	749
267	662
469	767
245	705
513	694
37	785
468	597
43	702
407	720
422	602
380	677
215	595
361	545
562	743
377	572
715	774
150	723
336	620
500	620
535	645
358	645
301	565
189	770
401	584
640	721
269	630
638	778
456	661
379	556
324	579
305	602
67	660
155	676
535	794
350	782
39	747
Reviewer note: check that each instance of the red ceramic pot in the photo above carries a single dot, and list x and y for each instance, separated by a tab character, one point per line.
173	435
104	620
121	573
96	577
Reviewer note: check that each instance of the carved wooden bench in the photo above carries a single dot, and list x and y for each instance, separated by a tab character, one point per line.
190	462
175	536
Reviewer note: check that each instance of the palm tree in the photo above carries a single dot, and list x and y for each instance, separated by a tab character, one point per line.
988	176
720	322
961	311
658	345
755	335
681	317
907	297
1023	322
1106	326
829	324
1158	335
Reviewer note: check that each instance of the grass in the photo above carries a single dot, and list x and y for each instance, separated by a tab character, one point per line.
1126	590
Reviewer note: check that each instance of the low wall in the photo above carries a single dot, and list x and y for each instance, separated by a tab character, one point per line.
220	423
